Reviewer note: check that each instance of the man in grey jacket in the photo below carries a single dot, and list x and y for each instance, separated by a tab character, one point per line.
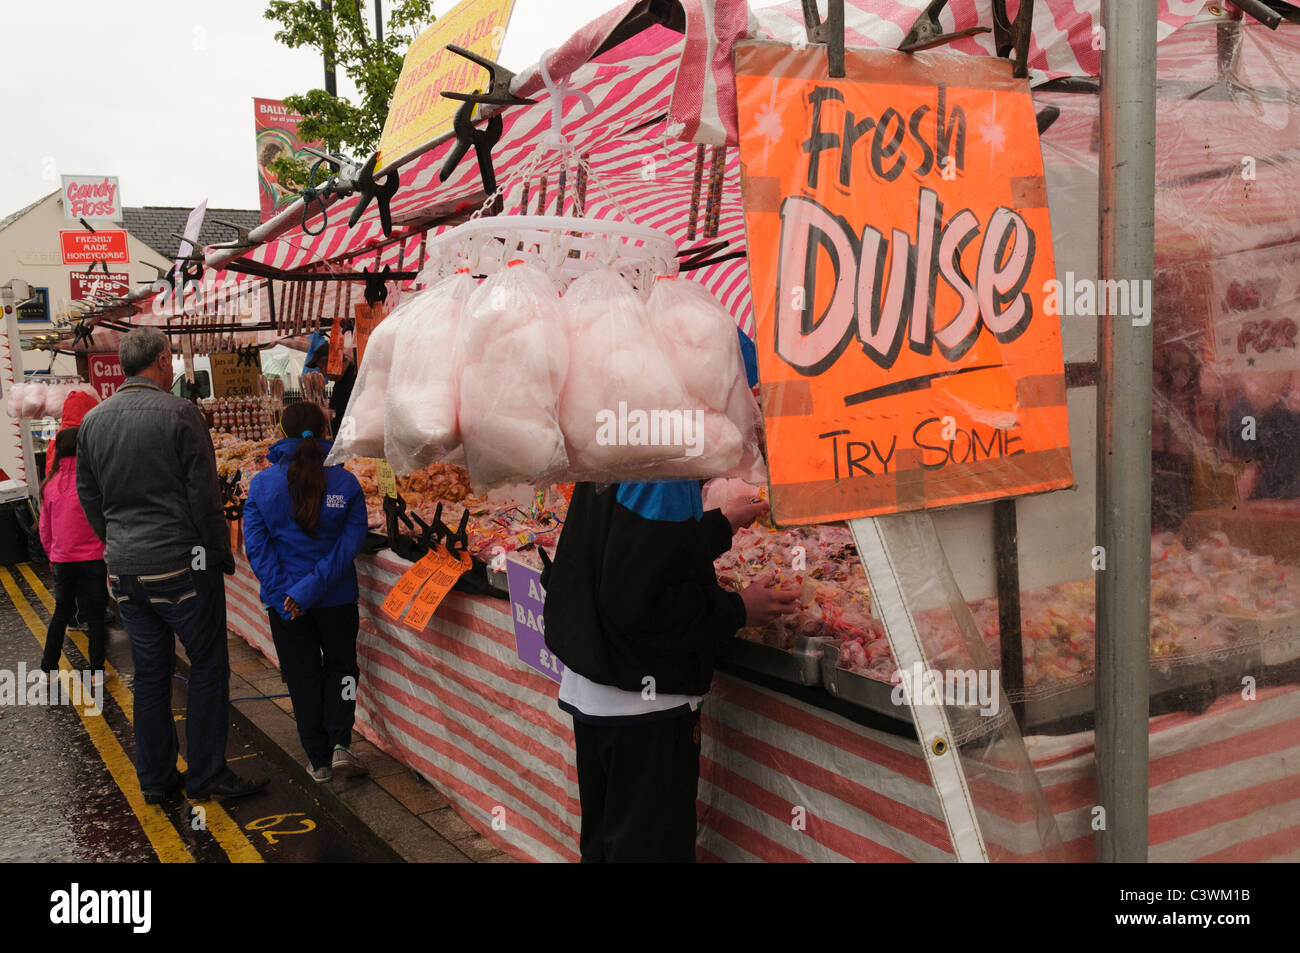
147	479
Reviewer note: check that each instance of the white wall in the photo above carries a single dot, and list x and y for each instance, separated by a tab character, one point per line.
29	249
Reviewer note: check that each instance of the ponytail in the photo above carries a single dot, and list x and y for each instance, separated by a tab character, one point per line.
306	475
65	445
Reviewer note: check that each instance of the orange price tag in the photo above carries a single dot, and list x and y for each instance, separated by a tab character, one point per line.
408	585
368	319
448	569
334	366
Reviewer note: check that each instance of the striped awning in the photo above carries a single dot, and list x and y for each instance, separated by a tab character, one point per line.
649	93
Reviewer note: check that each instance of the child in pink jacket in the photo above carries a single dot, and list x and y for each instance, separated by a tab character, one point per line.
76	557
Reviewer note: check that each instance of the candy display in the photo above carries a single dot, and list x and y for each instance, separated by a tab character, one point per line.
1202	603
247	418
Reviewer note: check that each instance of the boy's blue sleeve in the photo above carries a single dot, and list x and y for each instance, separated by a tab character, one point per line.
312	587
261	551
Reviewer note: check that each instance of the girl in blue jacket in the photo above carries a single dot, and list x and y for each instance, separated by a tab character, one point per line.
304	524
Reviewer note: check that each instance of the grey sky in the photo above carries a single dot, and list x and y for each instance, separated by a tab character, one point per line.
159	92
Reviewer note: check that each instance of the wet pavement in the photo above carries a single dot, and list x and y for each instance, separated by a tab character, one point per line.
68	790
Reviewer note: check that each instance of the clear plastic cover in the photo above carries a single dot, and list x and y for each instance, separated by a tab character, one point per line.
515	357
422	401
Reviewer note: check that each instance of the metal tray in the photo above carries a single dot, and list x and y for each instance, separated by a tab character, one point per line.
803	665
858	689
1075	701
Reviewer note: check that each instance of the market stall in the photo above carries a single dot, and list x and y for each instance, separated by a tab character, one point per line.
809	749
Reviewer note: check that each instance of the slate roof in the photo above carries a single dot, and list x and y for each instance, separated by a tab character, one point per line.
10	219
154	225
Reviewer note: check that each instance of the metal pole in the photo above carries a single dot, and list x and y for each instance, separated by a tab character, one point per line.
379	22
1127	253
331	85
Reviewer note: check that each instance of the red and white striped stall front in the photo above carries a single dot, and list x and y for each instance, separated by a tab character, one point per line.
454	703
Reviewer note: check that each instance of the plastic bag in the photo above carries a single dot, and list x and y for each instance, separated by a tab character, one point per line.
33	405
422	404
515	356
623	410
14	401
361	431
699	338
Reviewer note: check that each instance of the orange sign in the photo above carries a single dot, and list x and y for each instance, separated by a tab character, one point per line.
419	113
899	251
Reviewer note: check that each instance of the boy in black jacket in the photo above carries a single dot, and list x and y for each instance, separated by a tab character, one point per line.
635	613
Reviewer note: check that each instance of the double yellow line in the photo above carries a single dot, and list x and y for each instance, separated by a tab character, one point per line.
167	843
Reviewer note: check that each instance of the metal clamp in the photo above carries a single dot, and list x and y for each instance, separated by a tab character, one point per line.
243	241
830	32
467	134
926	31
363	182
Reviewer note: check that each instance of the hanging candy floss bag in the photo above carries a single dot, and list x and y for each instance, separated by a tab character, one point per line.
515	356
422	403
699	339
361	431
623	410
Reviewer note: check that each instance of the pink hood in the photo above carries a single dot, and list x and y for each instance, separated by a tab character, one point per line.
65	534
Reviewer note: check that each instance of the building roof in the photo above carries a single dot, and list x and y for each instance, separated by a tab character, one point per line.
157	226
10	219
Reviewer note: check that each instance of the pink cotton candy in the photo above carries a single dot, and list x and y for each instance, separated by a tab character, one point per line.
618	375
33	405
699	338
361	431
14	402
422	403
515	357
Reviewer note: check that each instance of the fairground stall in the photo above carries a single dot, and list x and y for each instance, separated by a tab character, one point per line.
937	696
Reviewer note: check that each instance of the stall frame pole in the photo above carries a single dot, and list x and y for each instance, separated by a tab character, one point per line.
1127	252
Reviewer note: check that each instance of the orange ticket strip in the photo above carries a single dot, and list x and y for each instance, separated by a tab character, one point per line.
409	584
900	252
447	569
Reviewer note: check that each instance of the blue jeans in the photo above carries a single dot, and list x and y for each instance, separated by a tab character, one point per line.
192	604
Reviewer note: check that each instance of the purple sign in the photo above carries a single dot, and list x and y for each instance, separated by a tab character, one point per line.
526	599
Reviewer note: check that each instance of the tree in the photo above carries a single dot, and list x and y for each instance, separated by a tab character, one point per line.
343	34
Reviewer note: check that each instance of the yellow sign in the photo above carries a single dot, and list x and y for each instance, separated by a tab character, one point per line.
386	479
419	113
231	378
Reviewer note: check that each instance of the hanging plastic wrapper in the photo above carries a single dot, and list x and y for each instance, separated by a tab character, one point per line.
699	338
515	358
623	411
422	401
361	431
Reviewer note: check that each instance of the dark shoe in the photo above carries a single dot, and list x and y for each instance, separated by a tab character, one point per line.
234	786
173	790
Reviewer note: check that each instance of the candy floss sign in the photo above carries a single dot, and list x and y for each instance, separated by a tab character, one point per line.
897	230
91	197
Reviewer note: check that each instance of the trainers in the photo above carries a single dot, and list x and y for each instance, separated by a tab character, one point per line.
346	764
322	774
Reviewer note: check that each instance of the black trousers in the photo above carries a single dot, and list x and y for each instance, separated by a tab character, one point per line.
85	583
637	784
318	661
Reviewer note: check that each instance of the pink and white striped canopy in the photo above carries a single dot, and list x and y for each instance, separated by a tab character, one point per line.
649	92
